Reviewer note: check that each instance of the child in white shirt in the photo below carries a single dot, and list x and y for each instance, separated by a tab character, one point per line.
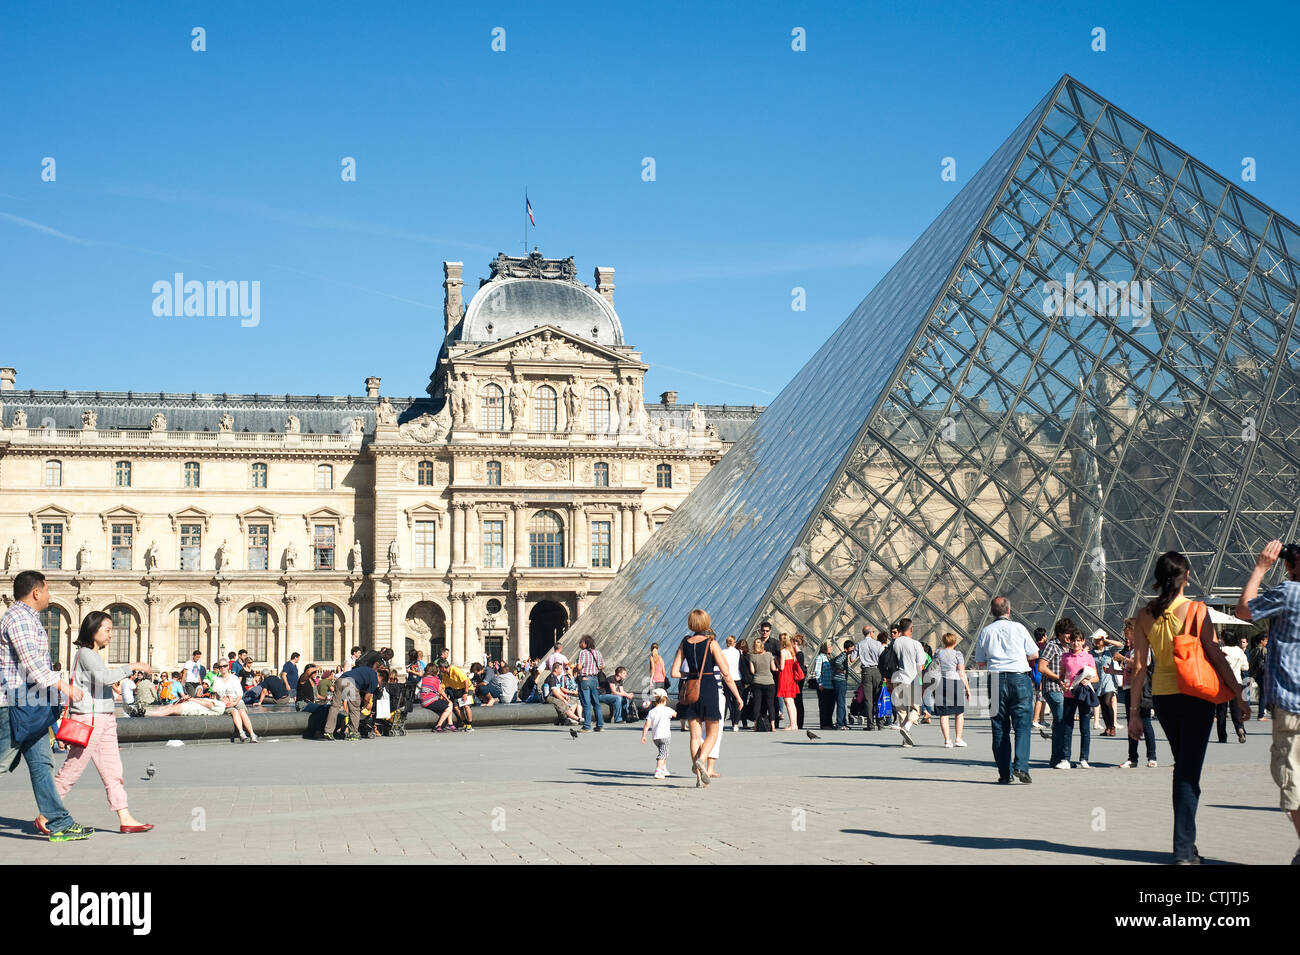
658	723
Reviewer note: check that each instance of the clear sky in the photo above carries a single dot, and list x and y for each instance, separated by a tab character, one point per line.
774	169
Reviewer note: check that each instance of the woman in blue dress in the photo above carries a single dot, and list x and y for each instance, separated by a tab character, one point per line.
700	658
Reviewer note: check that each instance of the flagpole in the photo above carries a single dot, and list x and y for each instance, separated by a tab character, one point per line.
525	221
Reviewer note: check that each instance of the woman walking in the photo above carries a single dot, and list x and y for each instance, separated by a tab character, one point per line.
763	688
796	647
1185	719
786	685
746	678
707	667
96	708
1078	667
954	690
657	668
1103	651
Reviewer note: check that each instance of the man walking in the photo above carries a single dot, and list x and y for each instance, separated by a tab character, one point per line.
904	690
1049	666
25	659
1281	606
1008	650
869	658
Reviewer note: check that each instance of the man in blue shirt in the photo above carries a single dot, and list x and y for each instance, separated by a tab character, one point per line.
1281	607
353	691
1009	651
289	673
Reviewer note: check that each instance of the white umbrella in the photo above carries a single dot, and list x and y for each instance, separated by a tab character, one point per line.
1221	619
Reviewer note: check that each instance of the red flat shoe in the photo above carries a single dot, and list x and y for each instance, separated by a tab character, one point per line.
145	827
41	827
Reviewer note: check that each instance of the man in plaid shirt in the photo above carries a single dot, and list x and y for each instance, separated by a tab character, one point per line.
588	666
1049	665
25	659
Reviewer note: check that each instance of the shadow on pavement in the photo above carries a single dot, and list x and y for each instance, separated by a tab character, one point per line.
1032	845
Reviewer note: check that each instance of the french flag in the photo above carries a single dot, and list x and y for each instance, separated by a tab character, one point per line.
528	206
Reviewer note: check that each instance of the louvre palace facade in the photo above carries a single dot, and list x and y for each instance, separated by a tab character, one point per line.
482	516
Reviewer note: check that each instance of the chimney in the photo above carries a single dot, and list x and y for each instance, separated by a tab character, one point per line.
372	387
605	284
452	308
7	378
668	399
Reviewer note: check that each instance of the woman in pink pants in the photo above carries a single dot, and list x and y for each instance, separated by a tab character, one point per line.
96	707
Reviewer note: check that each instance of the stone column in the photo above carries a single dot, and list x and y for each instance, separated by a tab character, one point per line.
471	535
457	533
581	537
521	625
458	628
153	636
581	598
626	517
638	530
397	635
521	536
289	632
225	631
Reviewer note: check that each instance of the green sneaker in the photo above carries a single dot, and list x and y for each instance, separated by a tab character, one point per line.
72	834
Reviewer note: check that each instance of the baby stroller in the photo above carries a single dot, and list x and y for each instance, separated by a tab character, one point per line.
392	709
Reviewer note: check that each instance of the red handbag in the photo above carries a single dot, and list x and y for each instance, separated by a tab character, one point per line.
1196	675
75	732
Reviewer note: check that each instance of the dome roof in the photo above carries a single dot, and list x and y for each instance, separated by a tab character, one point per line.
527	293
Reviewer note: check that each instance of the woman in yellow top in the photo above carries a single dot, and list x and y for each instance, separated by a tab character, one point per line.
1185	719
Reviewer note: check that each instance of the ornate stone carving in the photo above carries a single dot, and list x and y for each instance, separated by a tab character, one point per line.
151	552
572	406
426	429
358	426
290	557
518	405
441	472
477	470
83	559
356	556
394	555
88	420
222	557
158	423
13	557
292	425
20	418
226	423
533	266
385	413
467	389
546	470
406	472
697	418
663	435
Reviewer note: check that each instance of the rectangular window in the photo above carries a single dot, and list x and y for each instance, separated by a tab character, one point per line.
119	648
259	475
122	474
494	535
323	545
255	642
601	555
259	546
191	546
425	536
191	474
122	538
53	474
51	546
602	474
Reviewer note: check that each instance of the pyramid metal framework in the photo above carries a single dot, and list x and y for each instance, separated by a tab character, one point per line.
1090	357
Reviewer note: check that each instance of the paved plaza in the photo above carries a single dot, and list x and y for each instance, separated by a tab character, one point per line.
533	794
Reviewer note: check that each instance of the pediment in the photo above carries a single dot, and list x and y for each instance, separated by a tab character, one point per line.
121	515
323	515
424	511
190	515
257	515
50	513
547	343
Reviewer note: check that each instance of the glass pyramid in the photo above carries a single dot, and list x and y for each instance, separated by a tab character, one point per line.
1088	358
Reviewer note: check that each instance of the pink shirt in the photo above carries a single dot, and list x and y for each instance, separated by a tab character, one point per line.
1071	665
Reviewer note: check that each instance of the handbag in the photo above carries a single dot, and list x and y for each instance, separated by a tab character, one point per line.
30	720
1196	676
75	732
797	672
688	690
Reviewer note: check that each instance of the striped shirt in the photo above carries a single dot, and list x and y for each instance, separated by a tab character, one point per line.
589	661
24	652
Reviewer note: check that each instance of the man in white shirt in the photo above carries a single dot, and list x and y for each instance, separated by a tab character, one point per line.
903	691
193	674
1008	651
552	658
732	656
1237	661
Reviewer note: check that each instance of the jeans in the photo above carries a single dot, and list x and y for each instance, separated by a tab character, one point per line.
1073	706
1221	713
589	693
40	768
1012	712
1060	735
826	708
620	707
1149	732
1186	721
841	687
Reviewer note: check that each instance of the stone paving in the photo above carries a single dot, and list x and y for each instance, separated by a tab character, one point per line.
533	794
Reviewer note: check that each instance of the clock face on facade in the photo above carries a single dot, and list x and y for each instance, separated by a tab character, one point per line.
494	606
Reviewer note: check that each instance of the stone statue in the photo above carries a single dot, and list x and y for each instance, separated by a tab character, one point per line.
453	406
572	406
394	555
221	556
151	553
158	423
356	556
12	556
621	404
466	400
20	418
290	557
358	426
518	406
226	422
88	420
83	559
292	425
385	413
697	418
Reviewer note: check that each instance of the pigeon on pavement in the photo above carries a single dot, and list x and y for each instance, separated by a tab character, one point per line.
812	735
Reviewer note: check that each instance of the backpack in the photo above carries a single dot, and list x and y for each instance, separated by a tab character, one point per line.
888	662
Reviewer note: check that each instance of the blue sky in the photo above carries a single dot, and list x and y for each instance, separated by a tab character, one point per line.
774	168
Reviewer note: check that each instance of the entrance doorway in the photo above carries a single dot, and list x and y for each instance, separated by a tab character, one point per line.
546	624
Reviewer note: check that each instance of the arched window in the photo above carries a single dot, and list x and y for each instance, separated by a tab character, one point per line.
664	475
424	474
324	477
598	411
255	633
492	409
322	633
191	473
52	621
119	648
546	540
494	473
259	474
122	474
601	471
54	472
188	631
544	409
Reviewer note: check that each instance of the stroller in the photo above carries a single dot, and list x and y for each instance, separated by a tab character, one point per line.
392	707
